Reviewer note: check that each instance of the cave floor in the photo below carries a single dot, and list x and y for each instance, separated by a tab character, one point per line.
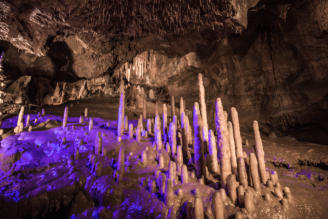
42	177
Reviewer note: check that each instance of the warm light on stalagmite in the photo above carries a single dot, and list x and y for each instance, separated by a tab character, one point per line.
203	108
260	153
66	112
237	135
222	141
198	143
121	112
20	124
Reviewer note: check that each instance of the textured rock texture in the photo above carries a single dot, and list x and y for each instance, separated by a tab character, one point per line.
267	58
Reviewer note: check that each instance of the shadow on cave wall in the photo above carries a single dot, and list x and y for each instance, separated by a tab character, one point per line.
62	59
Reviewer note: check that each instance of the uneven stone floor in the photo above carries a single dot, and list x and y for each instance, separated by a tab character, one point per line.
41	177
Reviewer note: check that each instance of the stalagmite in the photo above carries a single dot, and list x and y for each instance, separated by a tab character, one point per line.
157	132
164	123
212	148
149	126
168	147
20	124
278	191
254	172
98	143
184	174
27	123
241	191
163	180
222	140
131	131
232	147
181	107
121	112
139	129
287	193
144	157
237	135
161	161
243	178
198	206
43	112
249	201
169	194
203	108
274	177
173	113
76	154
126	121
260	153
238	215
218	206
81	120
172	139
231	187
179	156
30	128
66	112
198	143
91	123
172	171
223	195
121	161
86	113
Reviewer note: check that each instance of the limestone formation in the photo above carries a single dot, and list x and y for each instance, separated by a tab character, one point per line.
231	188
232	147
184	174
27	123
126	121
254	172
212	148
131	131
198	208
181	107
91	124
144	109
198	143
172	139
20	124
169	193
121	112
287	193
149	126
179	156
237	135
86	113
222	142
249	201
223	195
218	206
260	153
274	177
121	161
98	143
173	108
157	132
81	120
241	191
243	177
164	123
203	108
144	157
161	162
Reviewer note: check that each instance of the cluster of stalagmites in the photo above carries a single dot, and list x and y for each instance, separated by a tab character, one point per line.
205	155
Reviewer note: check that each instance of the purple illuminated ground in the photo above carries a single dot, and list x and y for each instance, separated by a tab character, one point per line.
40	177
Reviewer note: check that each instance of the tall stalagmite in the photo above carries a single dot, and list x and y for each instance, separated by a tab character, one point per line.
66	112
232	147
212	148
237	135
203	108
121	112
260	153
222	141
198	143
